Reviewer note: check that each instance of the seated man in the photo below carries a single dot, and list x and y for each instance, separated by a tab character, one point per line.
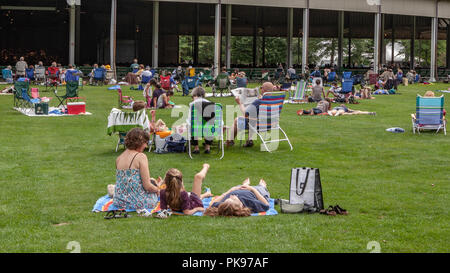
334	89
250	112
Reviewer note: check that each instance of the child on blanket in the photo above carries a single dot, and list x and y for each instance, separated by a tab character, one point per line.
241	200
175	196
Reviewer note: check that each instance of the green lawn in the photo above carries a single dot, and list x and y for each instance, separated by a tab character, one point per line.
395	186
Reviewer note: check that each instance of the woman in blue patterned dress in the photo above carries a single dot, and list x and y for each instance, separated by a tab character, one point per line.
134	190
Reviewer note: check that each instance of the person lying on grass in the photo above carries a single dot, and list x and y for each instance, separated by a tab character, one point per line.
134	189
344	110
241	200
250	112
175	196
322	107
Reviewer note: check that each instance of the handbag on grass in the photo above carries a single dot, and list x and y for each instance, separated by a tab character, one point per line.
305	190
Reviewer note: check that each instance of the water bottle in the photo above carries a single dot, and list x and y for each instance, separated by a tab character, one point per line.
396	130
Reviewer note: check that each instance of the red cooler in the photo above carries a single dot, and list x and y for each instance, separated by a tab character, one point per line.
75	108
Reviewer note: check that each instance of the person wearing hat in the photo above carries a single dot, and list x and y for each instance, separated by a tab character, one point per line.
250	113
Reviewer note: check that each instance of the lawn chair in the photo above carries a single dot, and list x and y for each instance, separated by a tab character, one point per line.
429	114
299	93
268	118
124	101
221	83
52	78
39	74
29	72
265	76
205	121
99	76
71	93
21	97
189	83
165	82
331	76
7	75
120	122
206	78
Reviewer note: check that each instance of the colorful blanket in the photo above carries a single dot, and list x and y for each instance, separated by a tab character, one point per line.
105	203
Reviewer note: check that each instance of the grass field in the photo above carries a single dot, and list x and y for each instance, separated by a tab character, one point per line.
395	186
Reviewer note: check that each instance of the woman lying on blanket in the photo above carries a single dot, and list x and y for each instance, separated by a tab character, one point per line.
175	197
241	200
344	110
134	189
322	107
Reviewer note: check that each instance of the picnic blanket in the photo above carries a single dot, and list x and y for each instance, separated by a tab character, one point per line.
105	203
52	112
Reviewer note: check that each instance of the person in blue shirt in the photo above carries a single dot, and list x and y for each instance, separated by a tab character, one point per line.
241	200
316	73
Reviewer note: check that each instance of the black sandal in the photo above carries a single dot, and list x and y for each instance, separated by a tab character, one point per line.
328	211
340	210
114	214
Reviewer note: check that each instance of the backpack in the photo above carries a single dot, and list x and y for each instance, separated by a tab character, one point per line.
165	82
306	189
175	143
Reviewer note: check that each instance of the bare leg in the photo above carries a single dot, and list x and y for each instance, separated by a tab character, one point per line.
246	181
198	180
263	183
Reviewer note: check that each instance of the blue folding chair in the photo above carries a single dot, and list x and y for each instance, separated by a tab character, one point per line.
7	75
29	72
429	114
99	75
331	76
189	83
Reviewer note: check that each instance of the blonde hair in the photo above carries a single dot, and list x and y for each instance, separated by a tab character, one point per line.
429	94
174	186
228	209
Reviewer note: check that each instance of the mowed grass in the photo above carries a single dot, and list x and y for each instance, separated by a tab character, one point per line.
395	186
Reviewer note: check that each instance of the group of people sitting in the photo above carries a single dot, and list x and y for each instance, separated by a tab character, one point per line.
135	189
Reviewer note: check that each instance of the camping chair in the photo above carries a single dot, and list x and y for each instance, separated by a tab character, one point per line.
189	83
7	75
71	93
268	118
21	98
99	75
165	82
279	74
29	72
52	77
331	76
286	86
120	122
124	101
39	74
221	83
299	93
429	114
206	121
264	76
144	81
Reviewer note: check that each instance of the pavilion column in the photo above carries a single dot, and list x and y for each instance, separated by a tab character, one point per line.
263	48
228	36
290	30
382	42
448	47
112	38
434	37
340	38
196	33
77	35
392	41
412	46
255	30
155	39
349	42
377	42
217	39
72	11
305	36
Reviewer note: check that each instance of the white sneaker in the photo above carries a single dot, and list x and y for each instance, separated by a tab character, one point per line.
143	213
